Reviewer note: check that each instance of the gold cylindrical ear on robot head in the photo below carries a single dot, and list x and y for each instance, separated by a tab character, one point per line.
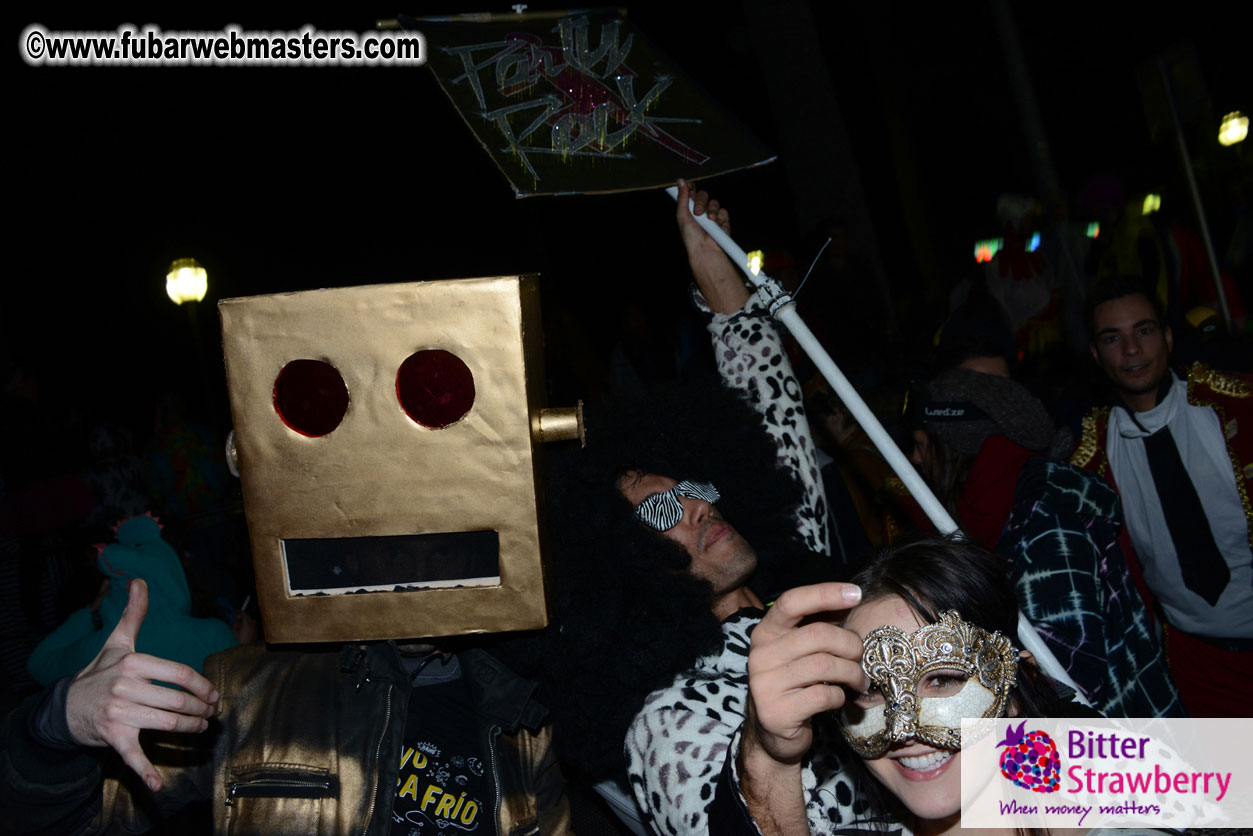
561	424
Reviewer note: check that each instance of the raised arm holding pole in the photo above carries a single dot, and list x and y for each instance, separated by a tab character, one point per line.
783	308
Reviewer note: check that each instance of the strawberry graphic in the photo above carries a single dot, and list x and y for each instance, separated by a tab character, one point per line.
1030	759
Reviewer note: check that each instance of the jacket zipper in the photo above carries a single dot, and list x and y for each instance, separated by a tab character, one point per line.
378	752
273	786
492	736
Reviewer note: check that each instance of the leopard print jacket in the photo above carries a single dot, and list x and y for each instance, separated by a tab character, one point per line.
680	742
685	735
751	360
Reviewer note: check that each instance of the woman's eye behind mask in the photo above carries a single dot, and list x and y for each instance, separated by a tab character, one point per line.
870	697
942	684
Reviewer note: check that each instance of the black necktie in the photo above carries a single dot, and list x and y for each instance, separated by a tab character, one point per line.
1201	564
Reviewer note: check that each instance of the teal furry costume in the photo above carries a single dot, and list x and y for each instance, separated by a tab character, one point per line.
168	631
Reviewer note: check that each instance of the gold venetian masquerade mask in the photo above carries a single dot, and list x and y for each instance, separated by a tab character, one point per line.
924	683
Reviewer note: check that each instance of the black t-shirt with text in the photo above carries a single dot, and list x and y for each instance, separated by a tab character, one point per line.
445	784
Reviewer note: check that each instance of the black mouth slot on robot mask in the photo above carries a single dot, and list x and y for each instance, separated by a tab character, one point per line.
340	565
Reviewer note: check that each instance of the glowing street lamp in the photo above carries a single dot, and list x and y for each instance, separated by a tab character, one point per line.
1234	129
186	281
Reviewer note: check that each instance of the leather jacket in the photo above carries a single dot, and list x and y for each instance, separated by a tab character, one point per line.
305	742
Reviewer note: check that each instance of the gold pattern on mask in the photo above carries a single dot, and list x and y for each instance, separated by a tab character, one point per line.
898	663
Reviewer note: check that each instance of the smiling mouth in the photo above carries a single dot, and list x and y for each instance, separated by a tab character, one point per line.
926	766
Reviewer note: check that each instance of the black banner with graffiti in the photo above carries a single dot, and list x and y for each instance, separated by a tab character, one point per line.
581	103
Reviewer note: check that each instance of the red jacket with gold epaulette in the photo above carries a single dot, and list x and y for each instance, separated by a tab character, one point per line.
1231	398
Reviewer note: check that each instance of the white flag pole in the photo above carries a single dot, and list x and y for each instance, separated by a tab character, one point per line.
783	308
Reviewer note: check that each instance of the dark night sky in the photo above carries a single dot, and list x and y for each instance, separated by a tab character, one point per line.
282	179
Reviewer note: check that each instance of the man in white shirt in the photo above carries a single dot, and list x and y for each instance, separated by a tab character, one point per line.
1173	449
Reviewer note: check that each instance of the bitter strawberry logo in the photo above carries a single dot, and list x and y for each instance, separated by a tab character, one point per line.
1030	759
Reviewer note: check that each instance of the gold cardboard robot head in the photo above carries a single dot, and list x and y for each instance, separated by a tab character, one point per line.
386	438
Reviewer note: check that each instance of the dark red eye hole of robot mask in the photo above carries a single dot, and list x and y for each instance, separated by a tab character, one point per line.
435	388
310	397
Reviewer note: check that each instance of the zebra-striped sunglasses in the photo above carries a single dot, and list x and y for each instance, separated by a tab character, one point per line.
663	511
